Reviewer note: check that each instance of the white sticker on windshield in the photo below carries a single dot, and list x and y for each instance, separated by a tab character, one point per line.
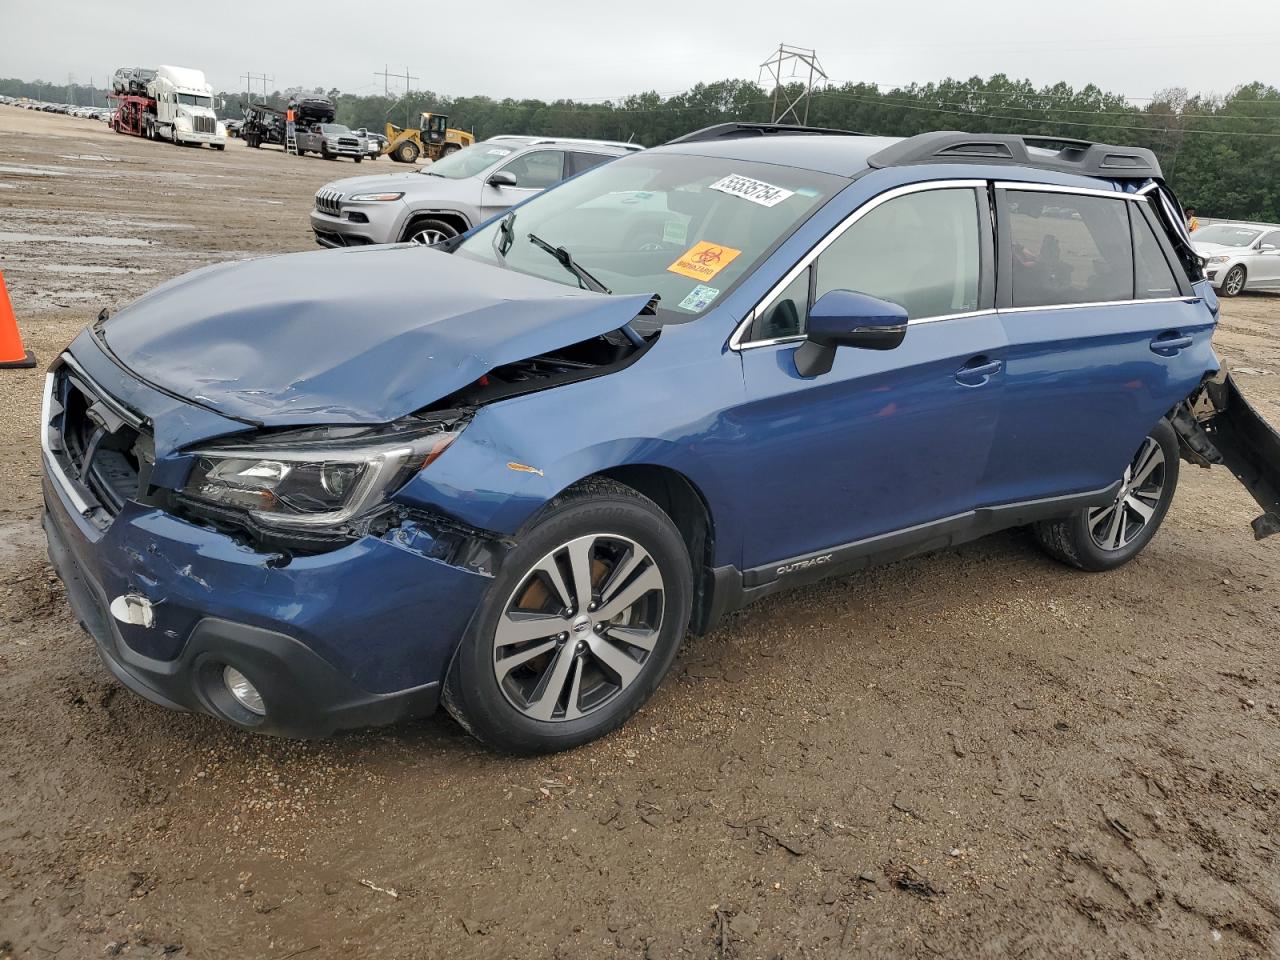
673	231
497	152
757	191
699	298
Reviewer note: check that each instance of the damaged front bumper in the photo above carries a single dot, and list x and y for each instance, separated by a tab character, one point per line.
358	636
1217	425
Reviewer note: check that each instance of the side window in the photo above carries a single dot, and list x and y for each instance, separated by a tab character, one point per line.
1272	238
585	161
1152	276
920	250
1068	249
786	315
537	169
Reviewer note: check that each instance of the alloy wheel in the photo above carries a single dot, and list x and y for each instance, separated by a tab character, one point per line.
1116	526
1234	282
579	627
429	235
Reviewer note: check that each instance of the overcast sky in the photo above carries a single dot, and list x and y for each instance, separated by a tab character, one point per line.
595	50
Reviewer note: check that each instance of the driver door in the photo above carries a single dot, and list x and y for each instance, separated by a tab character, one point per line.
534	171
886	441
1264	264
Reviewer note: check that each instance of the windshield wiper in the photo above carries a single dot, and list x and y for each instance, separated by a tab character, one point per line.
567	261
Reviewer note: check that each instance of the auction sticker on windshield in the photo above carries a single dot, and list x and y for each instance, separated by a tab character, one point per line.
703	260
757	191
699	298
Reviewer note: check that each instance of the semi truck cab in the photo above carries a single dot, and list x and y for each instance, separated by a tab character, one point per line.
184	108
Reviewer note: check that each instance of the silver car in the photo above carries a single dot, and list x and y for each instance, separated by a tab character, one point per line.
1240	255
453	194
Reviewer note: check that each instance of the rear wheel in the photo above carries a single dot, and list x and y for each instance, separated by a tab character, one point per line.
578	628
427	232
1233	282
407	152
1106	537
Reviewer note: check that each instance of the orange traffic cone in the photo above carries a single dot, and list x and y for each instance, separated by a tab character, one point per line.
11	352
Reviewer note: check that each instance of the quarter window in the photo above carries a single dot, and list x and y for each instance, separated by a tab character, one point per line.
1152	276
920	250
585	161
1068	249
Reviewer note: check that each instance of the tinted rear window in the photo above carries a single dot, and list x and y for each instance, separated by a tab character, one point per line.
1069	249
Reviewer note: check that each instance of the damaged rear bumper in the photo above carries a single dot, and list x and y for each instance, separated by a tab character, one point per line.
1217	425
358	636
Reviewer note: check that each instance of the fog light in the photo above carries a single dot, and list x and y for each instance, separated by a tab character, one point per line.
244	692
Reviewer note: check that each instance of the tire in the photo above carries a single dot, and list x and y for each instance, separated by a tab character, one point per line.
407	152
327	155
563	693
428	232
1093	538
219	146
1233	283
358	159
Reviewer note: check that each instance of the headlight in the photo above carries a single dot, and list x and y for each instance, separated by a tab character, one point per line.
376	196
313	483
1219	259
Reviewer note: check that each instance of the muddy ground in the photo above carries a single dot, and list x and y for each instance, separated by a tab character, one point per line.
977	753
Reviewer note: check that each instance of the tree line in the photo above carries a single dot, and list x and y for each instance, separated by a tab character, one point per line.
1220	154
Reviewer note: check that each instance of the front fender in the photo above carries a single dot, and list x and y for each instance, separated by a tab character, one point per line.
664	410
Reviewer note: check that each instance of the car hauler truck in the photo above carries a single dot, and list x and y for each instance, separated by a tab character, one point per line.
178	106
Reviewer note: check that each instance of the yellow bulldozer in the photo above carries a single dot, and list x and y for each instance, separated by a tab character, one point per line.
433	139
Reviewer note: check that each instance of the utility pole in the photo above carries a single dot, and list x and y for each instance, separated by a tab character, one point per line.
386	75
796	59
249	80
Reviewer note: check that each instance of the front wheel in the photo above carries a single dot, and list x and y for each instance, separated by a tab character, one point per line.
407	152
428	232
578	628
1106	537
1233	282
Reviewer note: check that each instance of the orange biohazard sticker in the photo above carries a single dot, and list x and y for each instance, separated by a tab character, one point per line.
703	260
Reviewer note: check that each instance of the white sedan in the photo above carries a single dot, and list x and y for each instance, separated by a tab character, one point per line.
1240	255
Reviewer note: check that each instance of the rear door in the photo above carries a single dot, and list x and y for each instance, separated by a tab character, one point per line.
1105	337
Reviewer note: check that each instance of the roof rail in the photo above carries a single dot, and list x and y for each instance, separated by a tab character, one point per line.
1046	153
736	130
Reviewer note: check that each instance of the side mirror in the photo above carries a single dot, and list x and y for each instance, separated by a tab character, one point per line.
845	318
501	179
1268	248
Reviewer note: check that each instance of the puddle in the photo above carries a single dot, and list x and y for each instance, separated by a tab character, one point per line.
33	171
87	241
69	268
92	156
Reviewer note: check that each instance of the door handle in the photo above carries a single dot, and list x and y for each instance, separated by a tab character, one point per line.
978	371
1170	345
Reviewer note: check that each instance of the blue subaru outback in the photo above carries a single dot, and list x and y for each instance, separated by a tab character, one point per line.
509	473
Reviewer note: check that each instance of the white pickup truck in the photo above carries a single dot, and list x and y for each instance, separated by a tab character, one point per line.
184	108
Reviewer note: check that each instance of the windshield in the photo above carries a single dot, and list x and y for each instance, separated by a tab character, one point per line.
1226	234
334	129
686	228
468	161
191	100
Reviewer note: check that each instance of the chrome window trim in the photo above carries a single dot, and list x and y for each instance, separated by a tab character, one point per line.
744	325
1029	187
1099	303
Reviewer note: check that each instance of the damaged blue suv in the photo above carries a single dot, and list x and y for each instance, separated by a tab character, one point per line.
507	474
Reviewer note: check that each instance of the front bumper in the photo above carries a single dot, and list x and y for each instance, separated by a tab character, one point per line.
359	635
338	230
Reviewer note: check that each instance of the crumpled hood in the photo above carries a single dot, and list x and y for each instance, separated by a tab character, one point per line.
364	335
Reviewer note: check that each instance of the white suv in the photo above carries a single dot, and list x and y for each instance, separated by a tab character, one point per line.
452	195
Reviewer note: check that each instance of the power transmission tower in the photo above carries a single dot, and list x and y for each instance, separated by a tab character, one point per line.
386	75
792	63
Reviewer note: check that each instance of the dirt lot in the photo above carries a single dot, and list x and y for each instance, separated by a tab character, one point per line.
977	753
